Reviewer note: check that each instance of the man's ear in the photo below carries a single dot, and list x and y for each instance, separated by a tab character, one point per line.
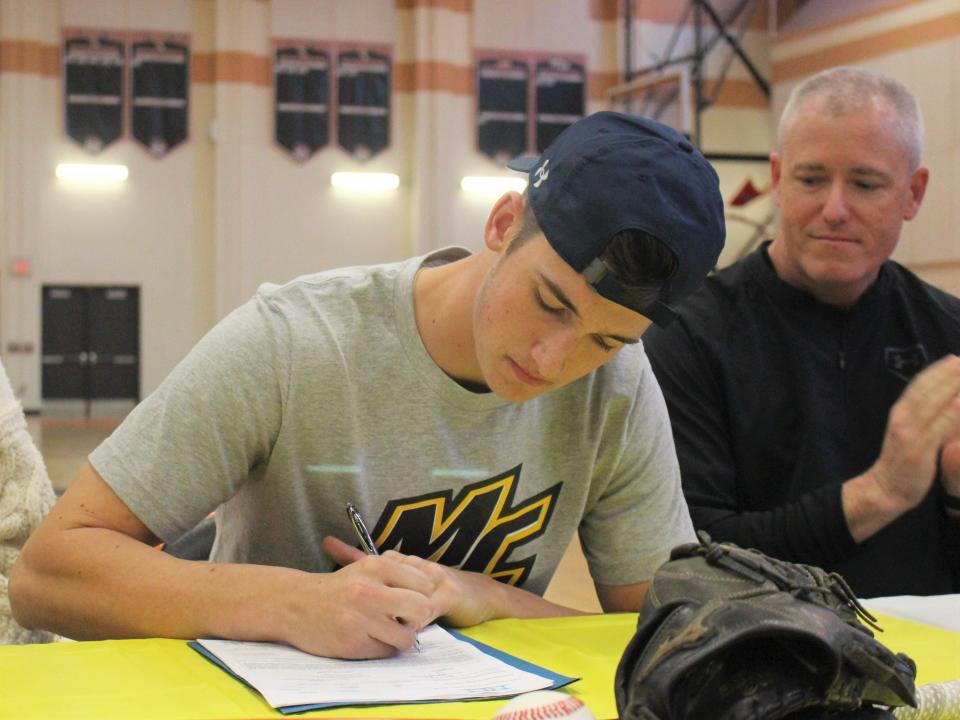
776	167
918	188
503	222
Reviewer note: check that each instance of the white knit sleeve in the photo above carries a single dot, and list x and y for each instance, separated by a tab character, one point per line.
25	496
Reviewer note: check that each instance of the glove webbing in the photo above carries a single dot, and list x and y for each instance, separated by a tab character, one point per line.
744	565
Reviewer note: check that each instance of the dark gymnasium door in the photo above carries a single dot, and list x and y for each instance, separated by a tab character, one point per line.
91	343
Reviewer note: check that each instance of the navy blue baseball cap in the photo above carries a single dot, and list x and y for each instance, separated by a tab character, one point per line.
611	172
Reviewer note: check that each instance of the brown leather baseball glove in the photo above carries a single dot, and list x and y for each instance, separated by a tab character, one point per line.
727	633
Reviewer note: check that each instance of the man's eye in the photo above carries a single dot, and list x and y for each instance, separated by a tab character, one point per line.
545	306
810	180
603	344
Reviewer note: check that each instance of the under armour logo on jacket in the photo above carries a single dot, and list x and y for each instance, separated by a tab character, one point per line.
905	362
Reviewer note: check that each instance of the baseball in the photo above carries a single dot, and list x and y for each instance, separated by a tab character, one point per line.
544	705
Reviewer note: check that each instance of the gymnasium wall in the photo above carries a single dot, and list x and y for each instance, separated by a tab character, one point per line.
201	228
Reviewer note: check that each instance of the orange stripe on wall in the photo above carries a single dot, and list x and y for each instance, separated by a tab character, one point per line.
760	19
605	10
201	68
669	12
404	77
29	56
849	20
740	93
232	66
884	43
427	76
733	93
598	84
463	6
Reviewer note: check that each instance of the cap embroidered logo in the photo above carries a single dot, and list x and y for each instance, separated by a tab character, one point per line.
542	173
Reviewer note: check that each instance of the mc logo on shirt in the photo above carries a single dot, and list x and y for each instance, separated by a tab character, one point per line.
476	530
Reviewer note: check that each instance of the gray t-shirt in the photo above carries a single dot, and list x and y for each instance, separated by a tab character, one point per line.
320	392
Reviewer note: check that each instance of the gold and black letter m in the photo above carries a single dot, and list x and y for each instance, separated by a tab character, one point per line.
476	530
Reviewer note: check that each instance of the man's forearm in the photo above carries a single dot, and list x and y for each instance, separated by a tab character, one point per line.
867	508
94	583
507	601
808	529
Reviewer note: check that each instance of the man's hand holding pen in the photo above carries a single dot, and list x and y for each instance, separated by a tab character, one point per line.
374	605
394	596
367	544
464	596
456	597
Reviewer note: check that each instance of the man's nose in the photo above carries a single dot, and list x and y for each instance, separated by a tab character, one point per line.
835	207
551	351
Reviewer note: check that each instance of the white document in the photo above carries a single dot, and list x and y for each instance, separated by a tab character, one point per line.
446	669
942	611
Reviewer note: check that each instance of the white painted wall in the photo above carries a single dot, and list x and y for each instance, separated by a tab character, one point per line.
141	233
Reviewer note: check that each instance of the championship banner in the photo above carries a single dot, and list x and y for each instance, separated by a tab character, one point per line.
503	100
363	100
93	64
560	97
301	76
160	79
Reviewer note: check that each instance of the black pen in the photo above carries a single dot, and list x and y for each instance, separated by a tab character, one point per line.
366	542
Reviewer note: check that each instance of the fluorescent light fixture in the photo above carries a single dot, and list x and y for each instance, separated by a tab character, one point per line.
491	185
365	181
86	172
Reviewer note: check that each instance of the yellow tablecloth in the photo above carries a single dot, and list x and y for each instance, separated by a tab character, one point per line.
146	679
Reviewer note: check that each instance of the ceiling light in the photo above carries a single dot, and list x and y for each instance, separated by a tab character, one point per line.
365	181
92	173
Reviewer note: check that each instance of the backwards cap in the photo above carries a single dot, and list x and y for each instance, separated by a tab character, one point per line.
610	172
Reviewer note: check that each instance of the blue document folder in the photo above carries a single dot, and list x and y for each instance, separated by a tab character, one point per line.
552	680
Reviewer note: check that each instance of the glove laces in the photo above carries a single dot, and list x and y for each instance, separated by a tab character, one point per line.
813	580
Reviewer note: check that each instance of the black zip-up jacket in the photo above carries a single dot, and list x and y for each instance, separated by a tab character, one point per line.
776	398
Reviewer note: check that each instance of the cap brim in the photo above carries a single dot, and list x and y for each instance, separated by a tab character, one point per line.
524	163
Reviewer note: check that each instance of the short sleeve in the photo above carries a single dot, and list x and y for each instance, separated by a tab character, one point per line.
639	514
190	445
